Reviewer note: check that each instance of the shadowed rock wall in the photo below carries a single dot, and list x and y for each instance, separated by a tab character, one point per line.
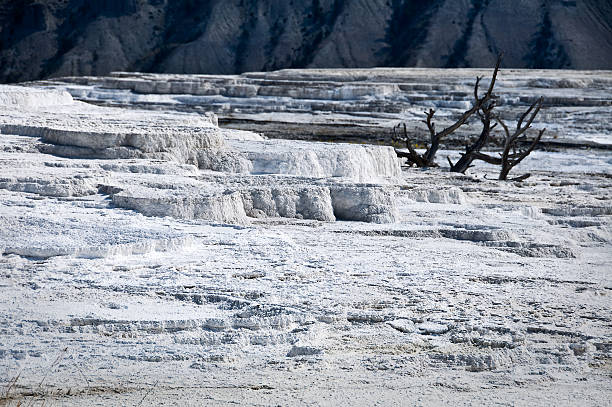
49	38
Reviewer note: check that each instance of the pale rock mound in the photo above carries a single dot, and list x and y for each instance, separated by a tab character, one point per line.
27	98
365	204
360	163
306	202
44	235
55	186
281	178
222	206
236	198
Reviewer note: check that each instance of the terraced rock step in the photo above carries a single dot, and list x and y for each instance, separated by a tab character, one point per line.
211	265
65	131
363	104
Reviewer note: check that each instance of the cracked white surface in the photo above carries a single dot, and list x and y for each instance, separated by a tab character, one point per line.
476	291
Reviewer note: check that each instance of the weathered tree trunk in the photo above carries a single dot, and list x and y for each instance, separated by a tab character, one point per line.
466	159
503	174
509	160
427	159
430	154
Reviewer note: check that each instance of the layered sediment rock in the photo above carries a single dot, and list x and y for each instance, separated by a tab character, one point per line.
365	104
278	176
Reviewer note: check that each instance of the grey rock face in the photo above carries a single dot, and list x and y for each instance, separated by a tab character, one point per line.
364	204
40	39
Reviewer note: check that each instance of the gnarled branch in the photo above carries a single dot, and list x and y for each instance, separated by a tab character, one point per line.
512	155
466	159
427	159
413	157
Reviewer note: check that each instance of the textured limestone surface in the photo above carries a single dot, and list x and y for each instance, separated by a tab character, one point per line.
364	104
178	263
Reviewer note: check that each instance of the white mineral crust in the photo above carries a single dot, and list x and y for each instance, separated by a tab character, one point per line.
151	257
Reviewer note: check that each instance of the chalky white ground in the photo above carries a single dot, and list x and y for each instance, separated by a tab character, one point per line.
153	258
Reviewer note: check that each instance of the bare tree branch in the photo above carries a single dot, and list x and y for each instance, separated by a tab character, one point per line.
487	158
466	159
512	154
413	157
521	178
427	159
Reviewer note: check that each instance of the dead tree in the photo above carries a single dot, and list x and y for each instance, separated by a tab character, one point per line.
413	157
512	154
486	115
427	159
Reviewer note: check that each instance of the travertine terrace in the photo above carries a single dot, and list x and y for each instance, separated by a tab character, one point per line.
161	245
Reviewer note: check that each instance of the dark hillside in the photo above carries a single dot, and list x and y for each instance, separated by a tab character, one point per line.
48	38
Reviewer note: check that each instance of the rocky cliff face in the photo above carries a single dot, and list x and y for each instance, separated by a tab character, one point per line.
48	38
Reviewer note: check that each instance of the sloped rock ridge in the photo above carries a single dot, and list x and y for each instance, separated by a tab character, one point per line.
41	39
